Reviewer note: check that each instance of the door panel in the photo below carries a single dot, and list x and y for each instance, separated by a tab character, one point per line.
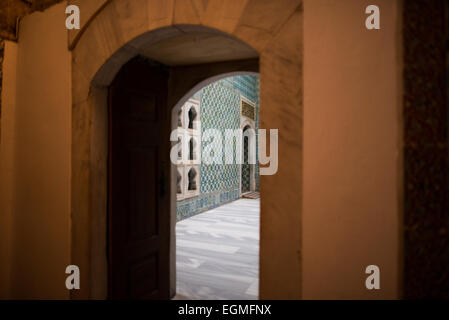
142	197
138	207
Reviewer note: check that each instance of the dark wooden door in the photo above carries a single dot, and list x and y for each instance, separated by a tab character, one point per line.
138	201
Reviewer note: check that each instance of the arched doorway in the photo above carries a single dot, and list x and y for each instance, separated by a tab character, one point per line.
246	169
248	183
139	203
95	64
217	230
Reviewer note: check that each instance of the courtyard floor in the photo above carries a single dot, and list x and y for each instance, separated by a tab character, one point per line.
217	253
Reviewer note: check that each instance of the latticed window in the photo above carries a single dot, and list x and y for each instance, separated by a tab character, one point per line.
180	118
192	179
188	152
178	182
192	117
179	148
192	153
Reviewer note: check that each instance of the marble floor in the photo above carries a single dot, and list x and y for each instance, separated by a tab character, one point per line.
217	253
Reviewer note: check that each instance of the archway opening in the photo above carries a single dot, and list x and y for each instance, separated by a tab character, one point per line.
99	52
217	233
145	100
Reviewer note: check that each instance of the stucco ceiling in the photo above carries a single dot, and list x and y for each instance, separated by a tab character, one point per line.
196	48
11	10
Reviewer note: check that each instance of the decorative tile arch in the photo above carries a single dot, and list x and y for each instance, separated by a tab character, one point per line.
120	30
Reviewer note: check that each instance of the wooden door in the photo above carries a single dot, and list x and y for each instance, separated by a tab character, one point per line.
138	199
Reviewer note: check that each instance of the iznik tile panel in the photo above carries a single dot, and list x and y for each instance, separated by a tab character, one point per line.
220	109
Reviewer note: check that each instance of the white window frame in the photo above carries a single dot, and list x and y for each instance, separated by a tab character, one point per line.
186	134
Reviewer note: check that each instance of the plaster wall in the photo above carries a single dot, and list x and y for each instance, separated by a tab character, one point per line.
38	139
7	165
352	95
350	179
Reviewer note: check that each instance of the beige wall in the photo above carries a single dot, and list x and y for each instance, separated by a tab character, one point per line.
41	151
351	134
88	9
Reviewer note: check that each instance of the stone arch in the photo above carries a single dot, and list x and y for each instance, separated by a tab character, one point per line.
269	37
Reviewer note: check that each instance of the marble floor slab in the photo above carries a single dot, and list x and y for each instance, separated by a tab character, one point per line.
217	253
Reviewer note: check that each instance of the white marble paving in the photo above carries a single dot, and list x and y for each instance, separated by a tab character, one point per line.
217	253
184	243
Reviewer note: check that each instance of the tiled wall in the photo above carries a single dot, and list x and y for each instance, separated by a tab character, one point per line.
246	85
192	206
220	109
